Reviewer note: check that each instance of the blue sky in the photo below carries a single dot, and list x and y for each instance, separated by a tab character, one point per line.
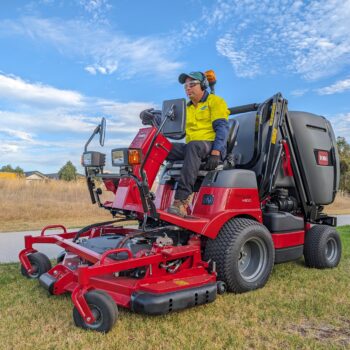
64	64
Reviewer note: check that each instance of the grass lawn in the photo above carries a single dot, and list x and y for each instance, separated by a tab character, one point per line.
299	308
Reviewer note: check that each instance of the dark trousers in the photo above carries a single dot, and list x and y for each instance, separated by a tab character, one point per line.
192	153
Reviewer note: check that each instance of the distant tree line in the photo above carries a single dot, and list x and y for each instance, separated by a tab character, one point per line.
67	173
8	169
344	155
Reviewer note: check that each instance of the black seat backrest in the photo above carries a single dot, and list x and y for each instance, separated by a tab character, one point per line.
243	149
232	134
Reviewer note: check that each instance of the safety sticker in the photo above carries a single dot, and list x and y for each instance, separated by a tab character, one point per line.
181	282
274	136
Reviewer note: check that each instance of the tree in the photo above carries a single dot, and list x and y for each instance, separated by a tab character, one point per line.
344	155
68	172
8	169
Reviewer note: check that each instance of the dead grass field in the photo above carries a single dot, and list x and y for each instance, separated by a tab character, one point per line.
299	308
30	206
340	206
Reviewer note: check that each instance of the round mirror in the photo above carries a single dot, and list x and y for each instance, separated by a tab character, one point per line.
102	131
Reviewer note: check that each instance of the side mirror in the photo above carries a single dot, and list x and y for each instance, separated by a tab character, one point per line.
175	113
102	131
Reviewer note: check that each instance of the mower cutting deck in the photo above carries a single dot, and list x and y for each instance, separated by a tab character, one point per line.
262	206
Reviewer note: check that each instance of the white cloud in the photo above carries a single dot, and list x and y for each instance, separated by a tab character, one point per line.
124	111
15	88
339	86
299	92
45	135
98	9
311	39
109	67
19	134
341	124
102	50
6	149
243	65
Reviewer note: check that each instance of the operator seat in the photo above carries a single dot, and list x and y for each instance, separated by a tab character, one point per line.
173	169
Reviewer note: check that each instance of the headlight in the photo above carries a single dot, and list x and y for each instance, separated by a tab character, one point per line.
125	156
93	159
86	159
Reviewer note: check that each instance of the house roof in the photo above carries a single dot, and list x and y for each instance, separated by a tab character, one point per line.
53	176
35	172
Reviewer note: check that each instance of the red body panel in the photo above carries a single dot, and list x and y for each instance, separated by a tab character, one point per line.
127	195
289	239
207	220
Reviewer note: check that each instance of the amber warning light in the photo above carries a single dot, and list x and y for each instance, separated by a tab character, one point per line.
134	156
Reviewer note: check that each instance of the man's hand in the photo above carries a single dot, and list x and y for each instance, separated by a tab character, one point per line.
213	160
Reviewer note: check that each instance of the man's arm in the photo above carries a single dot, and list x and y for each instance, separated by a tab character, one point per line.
221	129
218	151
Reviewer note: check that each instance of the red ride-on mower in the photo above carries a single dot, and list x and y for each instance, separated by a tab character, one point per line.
262	206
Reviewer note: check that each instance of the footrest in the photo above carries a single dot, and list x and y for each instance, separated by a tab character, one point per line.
158	304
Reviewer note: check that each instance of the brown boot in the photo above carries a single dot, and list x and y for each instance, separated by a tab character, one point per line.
179	207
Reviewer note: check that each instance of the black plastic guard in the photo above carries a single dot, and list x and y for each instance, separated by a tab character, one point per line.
159	304
47	281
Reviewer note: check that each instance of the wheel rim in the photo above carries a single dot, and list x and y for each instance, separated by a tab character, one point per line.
331	250
252	259
35	271
97	313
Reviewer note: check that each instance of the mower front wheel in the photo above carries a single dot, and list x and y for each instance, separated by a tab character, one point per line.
103	308
244	254
322	247
40	264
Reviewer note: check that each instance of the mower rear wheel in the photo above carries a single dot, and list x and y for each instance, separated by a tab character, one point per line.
244	255
322	247
103	308
40	264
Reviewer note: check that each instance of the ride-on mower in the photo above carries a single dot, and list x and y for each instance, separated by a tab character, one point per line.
261	206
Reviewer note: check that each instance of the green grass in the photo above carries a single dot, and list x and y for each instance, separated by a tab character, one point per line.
299	308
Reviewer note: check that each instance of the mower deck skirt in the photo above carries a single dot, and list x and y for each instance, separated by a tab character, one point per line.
158	304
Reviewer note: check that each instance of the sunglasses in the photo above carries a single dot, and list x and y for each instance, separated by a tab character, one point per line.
191	84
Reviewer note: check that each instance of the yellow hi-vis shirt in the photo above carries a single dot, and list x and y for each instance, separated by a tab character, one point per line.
199	119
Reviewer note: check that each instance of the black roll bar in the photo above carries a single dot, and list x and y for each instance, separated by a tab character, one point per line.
244	109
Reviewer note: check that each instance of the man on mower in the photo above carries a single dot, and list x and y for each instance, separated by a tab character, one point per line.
206	136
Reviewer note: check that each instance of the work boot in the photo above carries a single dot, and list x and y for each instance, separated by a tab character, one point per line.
179	207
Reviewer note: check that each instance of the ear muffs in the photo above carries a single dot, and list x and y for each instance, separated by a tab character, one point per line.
204	82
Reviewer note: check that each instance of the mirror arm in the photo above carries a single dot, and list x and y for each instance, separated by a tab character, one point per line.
96	131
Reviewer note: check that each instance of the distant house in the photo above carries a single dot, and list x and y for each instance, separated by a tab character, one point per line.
35	176
53	176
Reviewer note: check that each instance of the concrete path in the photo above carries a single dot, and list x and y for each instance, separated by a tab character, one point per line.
11	243
343	220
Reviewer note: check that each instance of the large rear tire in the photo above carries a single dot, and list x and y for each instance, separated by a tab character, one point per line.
103	308
244	255
40	264
322	247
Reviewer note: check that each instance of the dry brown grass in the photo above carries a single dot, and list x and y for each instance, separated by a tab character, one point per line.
30	206
340	206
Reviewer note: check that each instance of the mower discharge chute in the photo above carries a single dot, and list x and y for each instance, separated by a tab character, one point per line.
261	206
